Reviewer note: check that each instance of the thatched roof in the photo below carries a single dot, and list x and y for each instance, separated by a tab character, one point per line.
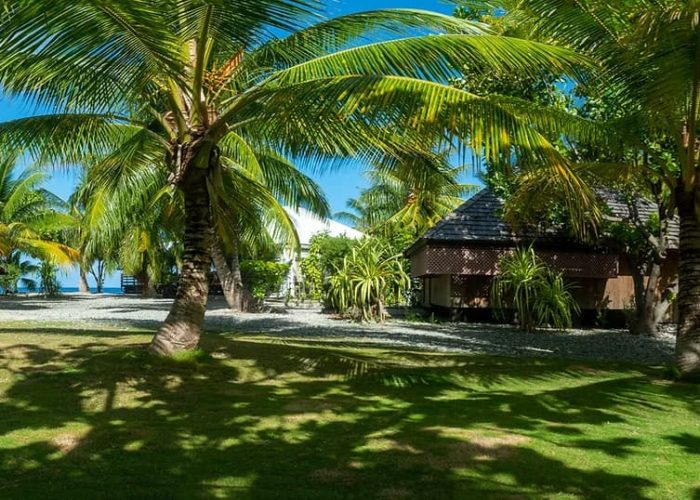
479	220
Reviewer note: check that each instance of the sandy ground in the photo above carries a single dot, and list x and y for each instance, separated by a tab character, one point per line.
308	324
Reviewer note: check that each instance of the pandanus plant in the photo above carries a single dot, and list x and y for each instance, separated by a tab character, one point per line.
180	82
537	295
369	277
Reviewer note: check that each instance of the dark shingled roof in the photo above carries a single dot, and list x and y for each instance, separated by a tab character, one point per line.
479	220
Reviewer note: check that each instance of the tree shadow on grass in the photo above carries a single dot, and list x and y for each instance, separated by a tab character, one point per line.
270	421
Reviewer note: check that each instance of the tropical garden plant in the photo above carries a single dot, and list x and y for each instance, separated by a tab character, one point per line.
370	277
263	278
537	295
186	84
16	270
325	256
49	285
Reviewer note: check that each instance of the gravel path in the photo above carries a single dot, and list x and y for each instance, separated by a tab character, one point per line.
311	325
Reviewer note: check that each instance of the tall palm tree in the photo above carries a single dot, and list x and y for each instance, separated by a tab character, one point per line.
413	192
260	76
648	52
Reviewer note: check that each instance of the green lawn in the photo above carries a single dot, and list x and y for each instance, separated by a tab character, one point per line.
88	414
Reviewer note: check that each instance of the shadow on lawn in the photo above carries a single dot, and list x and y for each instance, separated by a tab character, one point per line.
271	420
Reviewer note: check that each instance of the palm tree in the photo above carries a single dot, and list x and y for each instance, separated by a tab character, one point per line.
413	192
15	270
29	217
164	82
127	209
648	54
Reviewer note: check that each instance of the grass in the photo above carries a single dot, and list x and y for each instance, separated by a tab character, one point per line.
87	414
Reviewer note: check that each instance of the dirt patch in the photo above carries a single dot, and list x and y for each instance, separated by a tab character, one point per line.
66	442
471	447
588	370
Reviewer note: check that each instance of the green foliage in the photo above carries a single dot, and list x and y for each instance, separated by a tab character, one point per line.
313	92
537	295
326	254
31	218
409	193
554	304
262	277
9	276
16	270
370	276
543	88
48	273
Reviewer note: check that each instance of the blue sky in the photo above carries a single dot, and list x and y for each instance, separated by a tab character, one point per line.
339	185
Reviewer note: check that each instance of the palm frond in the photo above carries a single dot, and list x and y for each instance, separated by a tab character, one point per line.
438	58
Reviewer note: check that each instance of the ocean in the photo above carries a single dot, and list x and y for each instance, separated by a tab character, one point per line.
115	291
72	289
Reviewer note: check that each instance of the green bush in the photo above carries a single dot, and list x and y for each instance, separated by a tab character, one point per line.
263	278
538	295
9	276
369	276
326	254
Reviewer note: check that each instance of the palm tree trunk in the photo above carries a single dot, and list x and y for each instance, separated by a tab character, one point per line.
183	326
688	341
243	296
149	290
229	284
83	285
237	295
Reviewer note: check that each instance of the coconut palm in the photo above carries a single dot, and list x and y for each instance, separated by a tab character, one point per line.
171	81
413	192
128	209
647	51
30	218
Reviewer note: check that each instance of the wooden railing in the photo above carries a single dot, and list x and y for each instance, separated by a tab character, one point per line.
132	285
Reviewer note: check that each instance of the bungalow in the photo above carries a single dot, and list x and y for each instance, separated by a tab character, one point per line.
308	225
457	259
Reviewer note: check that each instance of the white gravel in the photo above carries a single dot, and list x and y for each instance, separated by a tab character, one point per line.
310	325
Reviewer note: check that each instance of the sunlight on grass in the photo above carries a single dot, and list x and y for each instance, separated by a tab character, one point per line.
82	411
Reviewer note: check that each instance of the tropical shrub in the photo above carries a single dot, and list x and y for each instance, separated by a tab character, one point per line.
370	277
48	273
537	294
326	254
15	272
263	278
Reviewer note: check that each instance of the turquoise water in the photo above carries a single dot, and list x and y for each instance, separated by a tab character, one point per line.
70	289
